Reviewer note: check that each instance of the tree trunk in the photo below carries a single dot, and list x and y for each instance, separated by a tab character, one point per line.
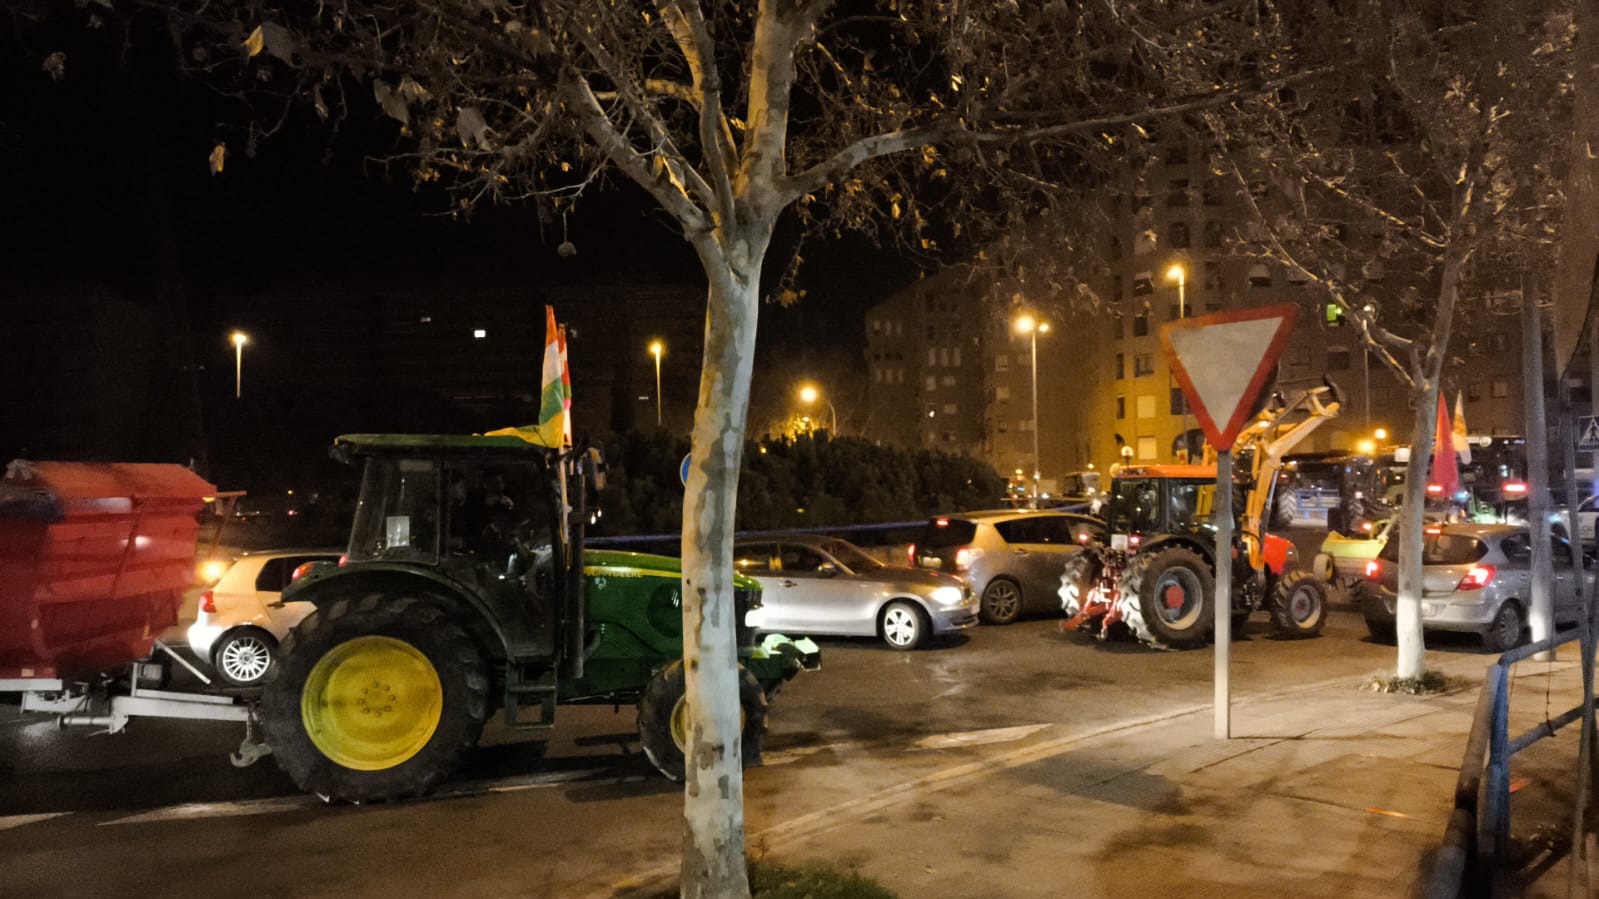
713	808
1412	662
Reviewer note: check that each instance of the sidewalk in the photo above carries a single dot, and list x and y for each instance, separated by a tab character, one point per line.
1328	790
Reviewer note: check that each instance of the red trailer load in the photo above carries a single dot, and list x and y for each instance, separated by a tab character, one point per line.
94	559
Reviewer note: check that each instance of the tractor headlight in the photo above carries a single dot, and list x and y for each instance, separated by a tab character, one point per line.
948	596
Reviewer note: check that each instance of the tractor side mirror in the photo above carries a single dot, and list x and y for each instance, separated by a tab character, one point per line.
594	461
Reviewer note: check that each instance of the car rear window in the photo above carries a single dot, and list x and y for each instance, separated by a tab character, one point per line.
1441	549
944	532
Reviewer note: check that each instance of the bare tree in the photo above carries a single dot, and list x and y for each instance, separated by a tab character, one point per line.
1415	172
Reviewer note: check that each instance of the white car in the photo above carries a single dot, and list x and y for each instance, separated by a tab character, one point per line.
242	618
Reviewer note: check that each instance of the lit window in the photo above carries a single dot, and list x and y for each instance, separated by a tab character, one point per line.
1501	389
1147	447
1146	406
950	409
480	333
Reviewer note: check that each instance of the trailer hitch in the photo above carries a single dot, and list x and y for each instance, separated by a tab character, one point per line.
252	749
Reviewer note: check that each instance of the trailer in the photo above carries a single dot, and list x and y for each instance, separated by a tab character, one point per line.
94	562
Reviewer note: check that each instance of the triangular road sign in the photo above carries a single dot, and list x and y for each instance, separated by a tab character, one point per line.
1588	434
1223	360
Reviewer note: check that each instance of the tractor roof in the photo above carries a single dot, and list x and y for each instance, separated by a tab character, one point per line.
435	444
1168	471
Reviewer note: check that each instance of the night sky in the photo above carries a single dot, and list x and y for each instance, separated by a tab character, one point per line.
107	175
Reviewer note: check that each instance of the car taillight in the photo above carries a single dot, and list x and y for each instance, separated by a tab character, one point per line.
963	558
1435	490
1477	578
1515	488
1373	570
344	559
300	569
1134	540
208	602
910	556
1366	527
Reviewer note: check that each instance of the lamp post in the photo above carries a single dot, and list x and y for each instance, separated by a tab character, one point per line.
656	349
239	339
1176	273
809	394
1032	327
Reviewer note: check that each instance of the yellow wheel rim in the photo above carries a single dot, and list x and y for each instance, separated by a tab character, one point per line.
680	724
372	703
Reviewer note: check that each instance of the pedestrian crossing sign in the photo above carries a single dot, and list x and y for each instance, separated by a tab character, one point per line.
1588	434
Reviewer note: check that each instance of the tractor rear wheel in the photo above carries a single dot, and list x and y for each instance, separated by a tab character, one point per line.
1078	580
1299	605
375	699
663	720
1168	598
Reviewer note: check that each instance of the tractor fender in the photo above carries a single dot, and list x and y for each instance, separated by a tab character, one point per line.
328	584
1279	554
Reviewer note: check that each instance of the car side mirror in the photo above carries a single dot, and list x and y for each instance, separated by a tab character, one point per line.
827	569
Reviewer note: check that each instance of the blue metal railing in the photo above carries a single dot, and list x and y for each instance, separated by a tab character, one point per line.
1479	826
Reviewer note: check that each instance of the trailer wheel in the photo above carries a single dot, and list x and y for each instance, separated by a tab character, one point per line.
663	720
1168	597
1299	605
375	699
1078	581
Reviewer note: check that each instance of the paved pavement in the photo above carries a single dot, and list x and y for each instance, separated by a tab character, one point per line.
1327	790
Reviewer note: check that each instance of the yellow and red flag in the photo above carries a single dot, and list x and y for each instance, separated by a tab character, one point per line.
1462	445
555	393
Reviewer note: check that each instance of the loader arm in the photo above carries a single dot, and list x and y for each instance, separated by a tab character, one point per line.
1262	435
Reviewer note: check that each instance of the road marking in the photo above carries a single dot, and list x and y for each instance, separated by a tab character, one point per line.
192	810
9	821
979	737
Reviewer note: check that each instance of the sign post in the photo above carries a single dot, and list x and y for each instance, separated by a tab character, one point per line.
1222	361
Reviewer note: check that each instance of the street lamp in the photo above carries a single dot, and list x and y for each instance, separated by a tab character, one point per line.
656	349
239	339
1032	327
809	394
1176	273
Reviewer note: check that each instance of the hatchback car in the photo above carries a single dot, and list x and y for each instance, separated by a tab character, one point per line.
1012	559
812	584
242	618
1477	578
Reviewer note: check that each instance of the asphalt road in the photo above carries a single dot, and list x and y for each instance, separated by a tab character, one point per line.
159	810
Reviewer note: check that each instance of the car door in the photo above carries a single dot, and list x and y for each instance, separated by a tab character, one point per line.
758	560
1038	547
1587	514
820	596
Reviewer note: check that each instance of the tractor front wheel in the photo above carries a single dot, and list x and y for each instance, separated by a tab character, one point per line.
663	720
375	699
1299	605
1168	597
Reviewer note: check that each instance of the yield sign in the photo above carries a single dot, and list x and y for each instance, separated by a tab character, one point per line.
1222	362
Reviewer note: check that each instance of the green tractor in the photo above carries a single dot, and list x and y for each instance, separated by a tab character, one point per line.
466	590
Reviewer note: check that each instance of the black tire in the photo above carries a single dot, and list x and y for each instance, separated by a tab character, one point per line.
1240	625
244	657
1078	580
663	699
1285	509
1002	601
1299	605
1507	629
1381	631
903	625
442	685
1147	591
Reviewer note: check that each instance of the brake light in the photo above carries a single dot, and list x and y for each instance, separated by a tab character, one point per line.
1134	540
300	569
1435	490
1477	578
1365	526
344	559
1373	570
910	556
1432	532
1083	537
1515	488
208	602
941	522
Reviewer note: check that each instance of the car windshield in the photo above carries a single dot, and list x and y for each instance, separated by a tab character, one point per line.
851	556
1442	548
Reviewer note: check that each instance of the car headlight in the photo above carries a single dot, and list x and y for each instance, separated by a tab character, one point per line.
948	595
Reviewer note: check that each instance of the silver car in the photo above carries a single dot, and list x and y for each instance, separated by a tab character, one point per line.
1477	578
812	584
1012	559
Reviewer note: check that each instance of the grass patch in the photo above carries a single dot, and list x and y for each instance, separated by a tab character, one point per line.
1431	683
770	880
